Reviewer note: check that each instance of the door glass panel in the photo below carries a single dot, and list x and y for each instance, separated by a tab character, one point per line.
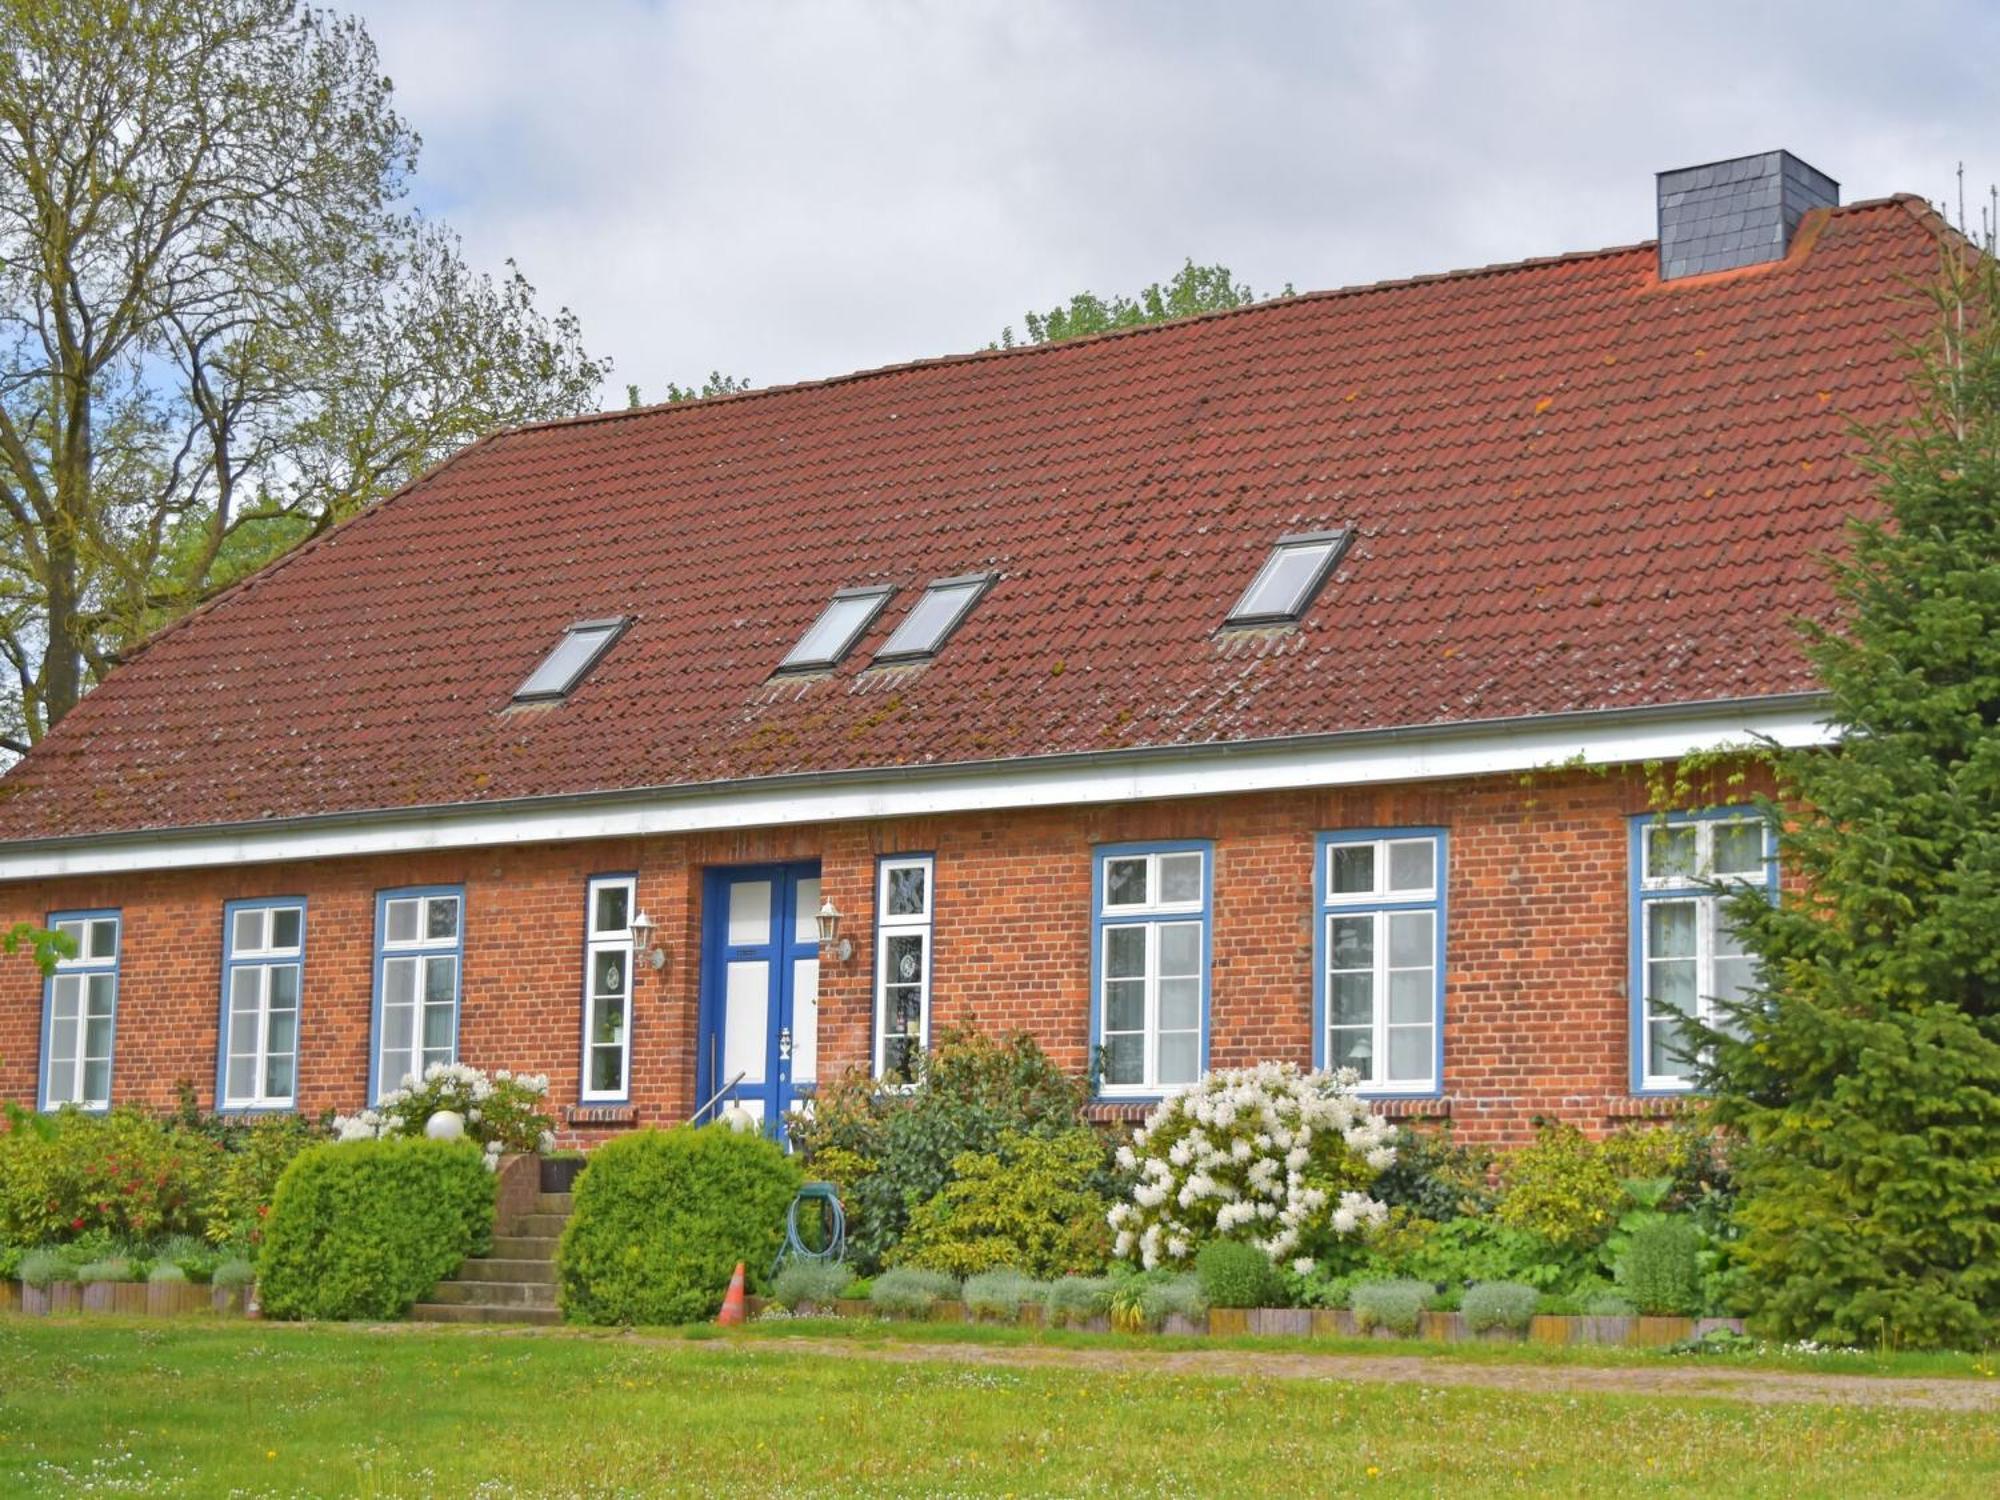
805	1019
746	1017
805	921
749	913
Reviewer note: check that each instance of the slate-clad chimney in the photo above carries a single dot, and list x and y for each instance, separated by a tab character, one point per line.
1736	213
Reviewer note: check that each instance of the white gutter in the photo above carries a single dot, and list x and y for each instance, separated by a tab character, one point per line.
1431	753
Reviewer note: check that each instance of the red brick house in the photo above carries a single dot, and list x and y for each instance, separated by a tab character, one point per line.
1173	694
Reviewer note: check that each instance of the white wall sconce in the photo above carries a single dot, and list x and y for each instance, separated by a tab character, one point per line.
643	928
830	940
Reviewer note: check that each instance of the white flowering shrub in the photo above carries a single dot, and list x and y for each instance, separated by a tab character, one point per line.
1270	1155
503	1112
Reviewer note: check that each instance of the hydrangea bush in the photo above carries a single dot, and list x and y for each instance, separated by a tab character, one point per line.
502	1112
1271	1155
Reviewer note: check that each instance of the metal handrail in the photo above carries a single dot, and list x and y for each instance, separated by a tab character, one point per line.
710	1102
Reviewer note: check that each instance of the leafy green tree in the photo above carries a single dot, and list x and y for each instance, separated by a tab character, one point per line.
1193	289
220	328
1864	1079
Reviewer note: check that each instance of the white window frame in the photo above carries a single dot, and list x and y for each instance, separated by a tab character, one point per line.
1381	904
1696	888
1152	916
600	943
79	972
263	960
889	926
422	949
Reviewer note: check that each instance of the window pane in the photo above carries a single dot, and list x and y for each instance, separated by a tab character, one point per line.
1125	882
607	1065
243	1023
826	640
805	913
906	1010
1280	586
1734	978
899	1058
242	1079
1670	929
1670	985
1125	1005
1670	852
1124	952
1179	1057
1739	849
248	933
906	957
96	1082
610	1025
287	926
399	981
440	979
1669	1050
1410	934
1180	948
104	938
398	1029
749	913
1412	865
1125	1059
1180	877
285	987
931	619
608	971
1351	942
1354	1049
1180	1004
561	667
437	1028
62	1044
1353	999
1409	1054
77	932
100	993
614	909
1353	869
402	921
909	893
1410	995
278	1078
68	997
441	920
97	1037
283	1028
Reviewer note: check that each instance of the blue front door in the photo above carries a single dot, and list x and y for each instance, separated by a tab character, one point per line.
759	1020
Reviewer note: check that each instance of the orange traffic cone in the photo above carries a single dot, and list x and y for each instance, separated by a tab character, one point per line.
732	1302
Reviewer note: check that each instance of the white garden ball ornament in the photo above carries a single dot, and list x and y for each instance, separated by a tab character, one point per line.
445	1125
737	1118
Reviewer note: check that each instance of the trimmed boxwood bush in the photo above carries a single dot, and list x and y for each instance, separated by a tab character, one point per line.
364	1229
1234	1274
663	1216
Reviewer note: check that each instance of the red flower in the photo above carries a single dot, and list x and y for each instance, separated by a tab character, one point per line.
77	1222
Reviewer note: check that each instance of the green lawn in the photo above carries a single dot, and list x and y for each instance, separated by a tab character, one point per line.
191	1409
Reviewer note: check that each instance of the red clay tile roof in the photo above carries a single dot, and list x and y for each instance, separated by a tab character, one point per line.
1572	487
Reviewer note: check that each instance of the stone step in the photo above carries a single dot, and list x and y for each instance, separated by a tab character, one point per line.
458	1312
523	1247
555	1203
495	1293
491	1269
538	1226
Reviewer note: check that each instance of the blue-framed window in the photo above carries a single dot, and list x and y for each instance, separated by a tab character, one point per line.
1685	955
607	989
904	894
1378	982
1150	967
80	1012
263	968
419	953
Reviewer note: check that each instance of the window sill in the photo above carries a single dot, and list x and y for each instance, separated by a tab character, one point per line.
600	1114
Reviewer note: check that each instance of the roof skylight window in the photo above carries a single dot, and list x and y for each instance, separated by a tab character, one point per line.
934	617
838	627
1291	575
575	654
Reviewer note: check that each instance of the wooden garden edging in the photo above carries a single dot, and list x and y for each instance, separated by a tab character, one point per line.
158	1299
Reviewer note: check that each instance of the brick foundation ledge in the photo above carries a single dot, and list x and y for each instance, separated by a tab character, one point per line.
600	1114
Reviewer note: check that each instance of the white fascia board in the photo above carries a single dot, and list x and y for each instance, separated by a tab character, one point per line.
1084	780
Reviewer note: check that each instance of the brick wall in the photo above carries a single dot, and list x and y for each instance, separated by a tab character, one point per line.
1535	998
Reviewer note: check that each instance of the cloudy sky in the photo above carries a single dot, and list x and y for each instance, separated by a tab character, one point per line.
789	190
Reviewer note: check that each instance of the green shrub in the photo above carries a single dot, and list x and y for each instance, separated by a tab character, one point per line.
891	1151
123	1173
1467	1250
1434	1178
240	1194
1141	1300
1609	1305
1490	1305
46	1267
1395	1305
233	1273
504	1112
363	1229
1029	1205
1233	1274
1077	1299
11	1257
166	1273
194	1255
117	1268
1561	1188
816	1284
910	1293
662	1218
1000	1294
1661	1267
